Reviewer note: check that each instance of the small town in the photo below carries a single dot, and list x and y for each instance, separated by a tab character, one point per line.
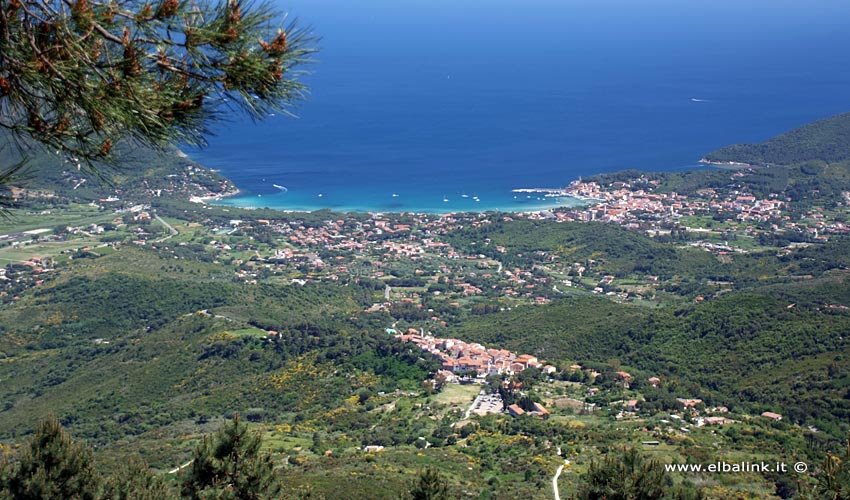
424	250
428	270
472	363
421	250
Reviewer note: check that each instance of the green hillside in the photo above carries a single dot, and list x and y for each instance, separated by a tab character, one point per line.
146	323
824	141
141	173
523	240
117	353
743	350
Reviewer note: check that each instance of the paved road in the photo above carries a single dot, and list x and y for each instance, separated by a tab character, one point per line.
168	226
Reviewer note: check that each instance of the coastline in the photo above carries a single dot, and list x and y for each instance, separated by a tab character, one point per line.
500	200
416	199
725	164
506	203
567	192
576	194
206	200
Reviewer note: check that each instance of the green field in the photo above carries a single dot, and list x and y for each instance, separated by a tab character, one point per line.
457	394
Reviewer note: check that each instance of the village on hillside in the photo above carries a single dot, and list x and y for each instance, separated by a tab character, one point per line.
472	363
414	254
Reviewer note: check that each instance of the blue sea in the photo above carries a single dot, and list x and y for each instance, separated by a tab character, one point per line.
447	105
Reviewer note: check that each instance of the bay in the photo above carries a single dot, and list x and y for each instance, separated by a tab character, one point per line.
449	105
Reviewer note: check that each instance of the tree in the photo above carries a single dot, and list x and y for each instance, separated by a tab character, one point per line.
229	466
626	475
53	466
135	481
430	485
79	75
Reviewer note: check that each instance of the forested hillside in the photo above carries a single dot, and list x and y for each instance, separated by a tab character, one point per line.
745	350
823	141
118	352
694	317
142	173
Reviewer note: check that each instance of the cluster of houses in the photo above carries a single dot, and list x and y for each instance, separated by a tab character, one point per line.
29	274
619	202
693	406
457	356
461	358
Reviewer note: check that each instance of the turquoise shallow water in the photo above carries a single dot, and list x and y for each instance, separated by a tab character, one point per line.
383	202
433	100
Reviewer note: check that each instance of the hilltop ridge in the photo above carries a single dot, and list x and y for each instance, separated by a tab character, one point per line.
822	141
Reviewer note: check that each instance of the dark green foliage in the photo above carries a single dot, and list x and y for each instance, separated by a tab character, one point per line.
151	74
5	475
8	175
134	302
742	347
621	250
610	249
53	466
825	140
627	475
141	171
229	465
134	481
430	485
747	349
819	259
160	361
810	163
226	465
578	328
